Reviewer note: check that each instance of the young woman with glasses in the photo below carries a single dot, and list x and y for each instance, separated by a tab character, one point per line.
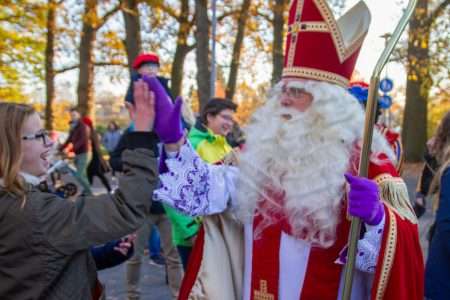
45	240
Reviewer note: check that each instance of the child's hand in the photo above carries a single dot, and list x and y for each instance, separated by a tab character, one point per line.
125	244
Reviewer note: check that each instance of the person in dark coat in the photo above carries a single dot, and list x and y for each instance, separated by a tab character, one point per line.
430	167
97	166
437	271
146	64
434	152
79	137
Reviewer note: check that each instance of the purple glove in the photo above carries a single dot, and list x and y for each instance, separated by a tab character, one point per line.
168	115
363	200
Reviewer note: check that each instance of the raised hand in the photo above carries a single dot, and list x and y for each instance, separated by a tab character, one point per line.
168	115
363	200
142	111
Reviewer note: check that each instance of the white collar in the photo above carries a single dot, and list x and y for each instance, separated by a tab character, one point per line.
31	179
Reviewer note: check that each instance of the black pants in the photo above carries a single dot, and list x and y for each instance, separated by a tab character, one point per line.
184	252
95	169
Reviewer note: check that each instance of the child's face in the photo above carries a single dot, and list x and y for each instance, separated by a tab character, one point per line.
148	69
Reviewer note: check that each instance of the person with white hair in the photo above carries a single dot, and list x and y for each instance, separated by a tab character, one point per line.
276	223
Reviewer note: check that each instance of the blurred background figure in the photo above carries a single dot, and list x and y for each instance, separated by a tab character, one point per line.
111	137
79	137
434	153
154	247
146	64
437	273
97	166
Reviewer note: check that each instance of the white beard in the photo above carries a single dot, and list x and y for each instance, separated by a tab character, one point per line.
304	159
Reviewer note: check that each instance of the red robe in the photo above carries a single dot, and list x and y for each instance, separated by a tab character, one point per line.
398	275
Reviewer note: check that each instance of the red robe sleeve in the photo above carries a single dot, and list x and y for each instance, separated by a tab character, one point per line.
400	268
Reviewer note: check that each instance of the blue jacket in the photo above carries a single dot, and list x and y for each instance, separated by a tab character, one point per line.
437	271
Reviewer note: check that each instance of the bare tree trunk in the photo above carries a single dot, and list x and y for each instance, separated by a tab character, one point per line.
49	70
202	55
242	21
85	88
277	48
182	49
414	134
133	30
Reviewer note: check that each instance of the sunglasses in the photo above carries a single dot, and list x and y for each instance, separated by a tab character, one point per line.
44	135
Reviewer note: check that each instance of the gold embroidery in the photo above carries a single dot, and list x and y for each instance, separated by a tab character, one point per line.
383	177
388	256
308	26
262	294
294	38
336	34
315	74
294	28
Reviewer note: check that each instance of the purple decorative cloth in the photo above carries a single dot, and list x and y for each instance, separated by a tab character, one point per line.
168	125
363	200
185	182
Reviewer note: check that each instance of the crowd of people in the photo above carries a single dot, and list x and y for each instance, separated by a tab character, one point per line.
259	214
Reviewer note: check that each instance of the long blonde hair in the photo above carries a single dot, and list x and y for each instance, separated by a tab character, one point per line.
443	163
441	139
12	118
440	150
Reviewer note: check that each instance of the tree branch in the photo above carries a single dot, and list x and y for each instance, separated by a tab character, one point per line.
437	12
168	10
97	64
266	17
63	70
106	16
227	14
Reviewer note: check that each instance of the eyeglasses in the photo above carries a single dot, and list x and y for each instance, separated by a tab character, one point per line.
44	135
292	91
226	117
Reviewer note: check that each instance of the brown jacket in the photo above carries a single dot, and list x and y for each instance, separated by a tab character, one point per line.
44	246
79	136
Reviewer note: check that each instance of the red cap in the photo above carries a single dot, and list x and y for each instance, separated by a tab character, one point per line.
320	47
145	58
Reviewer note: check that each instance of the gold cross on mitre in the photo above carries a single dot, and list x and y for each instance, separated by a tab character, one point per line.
262	294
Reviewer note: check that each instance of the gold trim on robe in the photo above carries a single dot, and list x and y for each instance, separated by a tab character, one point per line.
394	192
388	256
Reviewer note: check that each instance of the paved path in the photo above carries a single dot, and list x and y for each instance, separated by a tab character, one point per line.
153	286
153	282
